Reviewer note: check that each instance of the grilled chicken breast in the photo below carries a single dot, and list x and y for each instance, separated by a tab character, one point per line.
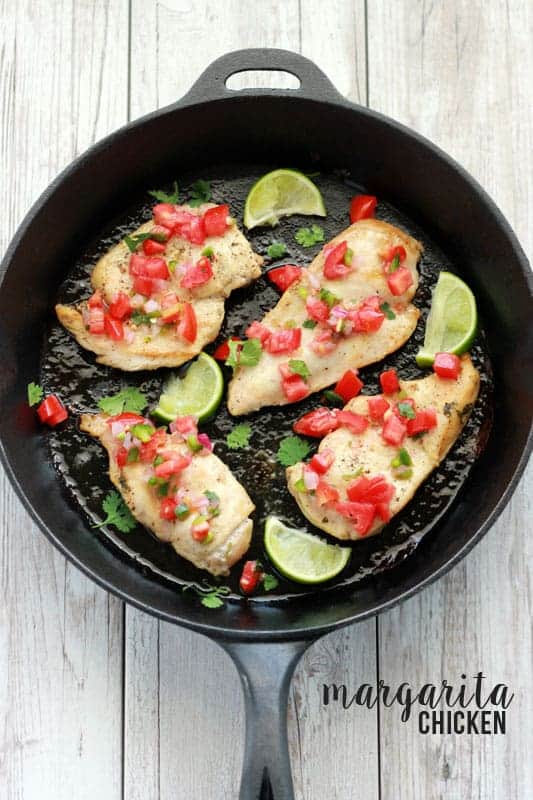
369	241
149	345
230	529
369	455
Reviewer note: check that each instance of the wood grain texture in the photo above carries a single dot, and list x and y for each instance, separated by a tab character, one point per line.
462	77
60	635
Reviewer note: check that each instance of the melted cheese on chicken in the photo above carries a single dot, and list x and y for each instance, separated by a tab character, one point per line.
367	451
258	386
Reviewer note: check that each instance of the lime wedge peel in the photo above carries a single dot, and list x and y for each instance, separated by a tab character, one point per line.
199	392
282	193
301	556
452	322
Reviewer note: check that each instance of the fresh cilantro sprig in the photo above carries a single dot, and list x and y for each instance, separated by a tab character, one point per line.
118	513
239	436
243	354
276	250
134	241
35	393
200	192
163	197
269	581
299	367
211	596
387	310
292	449
307	237
128	399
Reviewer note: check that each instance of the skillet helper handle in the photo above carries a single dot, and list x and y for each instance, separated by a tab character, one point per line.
266	671
211	85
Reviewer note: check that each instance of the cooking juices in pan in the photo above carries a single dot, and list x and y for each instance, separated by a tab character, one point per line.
74	375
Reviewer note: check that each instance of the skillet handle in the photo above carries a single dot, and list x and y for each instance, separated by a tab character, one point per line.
211	85
266	671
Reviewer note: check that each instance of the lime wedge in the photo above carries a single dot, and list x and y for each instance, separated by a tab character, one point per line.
279	194
301	556
452	321
198	393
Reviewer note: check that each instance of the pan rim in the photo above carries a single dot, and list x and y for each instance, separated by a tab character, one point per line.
297	632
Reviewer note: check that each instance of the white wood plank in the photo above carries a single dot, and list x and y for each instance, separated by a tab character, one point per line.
60	636
461	74
192	674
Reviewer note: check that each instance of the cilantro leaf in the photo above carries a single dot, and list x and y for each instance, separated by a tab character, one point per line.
133	242
387	310
299	367
200	192
118	513
332	397
309	323
269	582
163	197
212	601
213	497
239	436
292	449
244	354
138	318
211	596
406	410
35	393
128	399
307	237
276	250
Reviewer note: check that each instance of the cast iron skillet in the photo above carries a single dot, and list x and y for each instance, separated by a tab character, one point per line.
310	125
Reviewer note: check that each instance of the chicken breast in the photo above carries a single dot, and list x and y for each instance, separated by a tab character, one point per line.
230	528
360	343
368	455
148	344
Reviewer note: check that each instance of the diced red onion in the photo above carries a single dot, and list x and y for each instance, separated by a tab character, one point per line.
205	441
129	335
151	305
310	479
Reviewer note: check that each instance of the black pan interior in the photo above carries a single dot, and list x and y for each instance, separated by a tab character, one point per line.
74	374
249	132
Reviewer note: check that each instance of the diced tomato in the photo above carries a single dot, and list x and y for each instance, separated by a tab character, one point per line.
285	341
161	232
258	331
185	425
171	313
96	319
383	510
447	365
317	423
399	281
167	509
113	328
187	326
323	343
362	206
398	251
369	320
294	388
362	514
200	531
251	575
173	465
143	285
394	430
326	494
121	306
285	276
349	385
194	230
149	267
222	351
168	299
197	274
136	264
96	300
389	381
126	416
153	248
334	266
377	407
425	420
317	309
121	456
371	490
355	423
321	462
52	411
148	450
166	214
215	220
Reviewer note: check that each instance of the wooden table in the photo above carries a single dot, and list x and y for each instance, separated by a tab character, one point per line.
100	701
